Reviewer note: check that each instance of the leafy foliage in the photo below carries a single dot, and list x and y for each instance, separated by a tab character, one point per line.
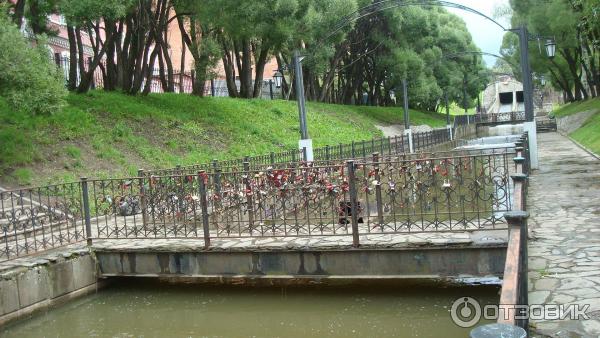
29	81
574	24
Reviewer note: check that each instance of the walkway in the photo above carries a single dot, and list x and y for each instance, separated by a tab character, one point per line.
564	253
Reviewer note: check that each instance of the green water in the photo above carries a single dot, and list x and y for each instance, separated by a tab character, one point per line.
134	310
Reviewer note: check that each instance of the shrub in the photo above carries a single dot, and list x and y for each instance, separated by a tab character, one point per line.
29	81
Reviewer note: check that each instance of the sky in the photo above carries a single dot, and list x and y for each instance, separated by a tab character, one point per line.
486	35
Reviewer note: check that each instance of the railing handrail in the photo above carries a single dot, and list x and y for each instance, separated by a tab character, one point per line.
515	280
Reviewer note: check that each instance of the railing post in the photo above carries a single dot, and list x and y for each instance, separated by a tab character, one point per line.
517	221
352	150
327	154
204	206
272	158
86	210
389	140
143	200
353	203
378	197
249	201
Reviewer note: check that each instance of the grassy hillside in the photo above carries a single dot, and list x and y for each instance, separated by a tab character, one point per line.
101	134
577	107
589	133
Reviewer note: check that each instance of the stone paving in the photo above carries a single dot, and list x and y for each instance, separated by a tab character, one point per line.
374	241
564	225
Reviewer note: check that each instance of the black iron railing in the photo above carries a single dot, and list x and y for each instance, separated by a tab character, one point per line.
381	194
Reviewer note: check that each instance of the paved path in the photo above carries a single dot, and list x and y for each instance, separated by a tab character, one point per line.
564	253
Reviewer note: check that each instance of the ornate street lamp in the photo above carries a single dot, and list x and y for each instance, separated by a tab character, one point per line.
550	48
278	77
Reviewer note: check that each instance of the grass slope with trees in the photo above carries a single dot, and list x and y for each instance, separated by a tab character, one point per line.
102	134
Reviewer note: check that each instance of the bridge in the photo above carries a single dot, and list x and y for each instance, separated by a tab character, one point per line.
445	216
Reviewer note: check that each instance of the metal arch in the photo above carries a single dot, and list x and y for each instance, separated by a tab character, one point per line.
383	5
452	55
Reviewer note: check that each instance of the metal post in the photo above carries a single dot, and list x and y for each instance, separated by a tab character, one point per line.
86	210
529	124
465	97
353	203
212	87
271	88
304	154
407	130
272	158
204	207
405	97
143	200
305	141
448	125
378	197
327	153
300	94
249	201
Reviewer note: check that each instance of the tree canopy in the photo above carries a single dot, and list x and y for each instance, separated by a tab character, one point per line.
575	26
367	57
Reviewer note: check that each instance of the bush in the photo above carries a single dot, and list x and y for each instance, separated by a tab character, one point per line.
29	80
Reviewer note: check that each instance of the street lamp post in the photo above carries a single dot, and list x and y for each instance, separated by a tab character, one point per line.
305	141
529	124
407	130
448	126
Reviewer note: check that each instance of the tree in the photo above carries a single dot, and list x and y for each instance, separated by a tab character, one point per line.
29	81
575	68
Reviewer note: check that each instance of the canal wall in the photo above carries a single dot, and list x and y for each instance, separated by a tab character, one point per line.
40	283
298	267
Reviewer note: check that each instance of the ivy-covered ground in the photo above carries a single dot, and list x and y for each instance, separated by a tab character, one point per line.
104	134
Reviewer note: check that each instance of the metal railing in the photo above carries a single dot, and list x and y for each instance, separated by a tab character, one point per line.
514	294
461	120
38	219
384	194
355	150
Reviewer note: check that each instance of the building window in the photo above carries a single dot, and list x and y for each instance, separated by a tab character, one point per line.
57	19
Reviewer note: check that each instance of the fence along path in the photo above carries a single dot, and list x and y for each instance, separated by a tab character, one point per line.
393	194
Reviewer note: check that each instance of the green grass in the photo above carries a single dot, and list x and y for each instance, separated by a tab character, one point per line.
577	107
589	133
102	134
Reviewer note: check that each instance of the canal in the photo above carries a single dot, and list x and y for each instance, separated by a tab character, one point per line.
147	309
